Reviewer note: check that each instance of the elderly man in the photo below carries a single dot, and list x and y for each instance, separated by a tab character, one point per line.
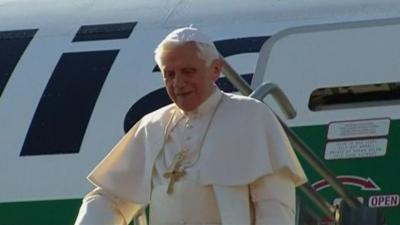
208	158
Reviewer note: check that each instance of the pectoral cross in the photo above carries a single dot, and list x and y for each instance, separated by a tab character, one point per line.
174	173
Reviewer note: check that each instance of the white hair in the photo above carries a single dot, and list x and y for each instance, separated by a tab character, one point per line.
207	52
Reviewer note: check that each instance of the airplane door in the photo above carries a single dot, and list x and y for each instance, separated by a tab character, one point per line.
344	82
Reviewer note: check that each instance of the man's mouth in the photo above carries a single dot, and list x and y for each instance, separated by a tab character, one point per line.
183	94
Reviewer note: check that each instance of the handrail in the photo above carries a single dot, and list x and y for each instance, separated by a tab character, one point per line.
260	92
270	88
236	79
318	200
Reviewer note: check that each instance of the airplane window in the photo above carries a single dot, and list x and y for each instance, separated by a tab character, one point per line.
64	110
104	32
355	96
12	46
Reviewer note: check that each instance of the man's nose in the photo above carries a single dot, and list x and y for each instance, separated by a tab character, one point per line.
179	81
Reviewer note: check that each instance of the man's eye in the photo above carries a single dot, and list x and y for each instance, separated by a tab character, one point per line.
189	71
169	75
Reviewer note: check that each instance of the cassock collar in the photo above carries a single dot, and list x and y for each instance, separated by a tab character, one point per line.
205	107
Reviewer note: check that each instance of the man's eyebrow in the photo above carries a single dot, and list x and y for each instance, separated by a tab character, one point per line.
189	68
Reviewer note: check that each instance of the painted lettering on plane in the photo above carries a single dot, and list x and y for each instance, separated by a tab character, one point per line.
12	46
63	113
62	116
57	129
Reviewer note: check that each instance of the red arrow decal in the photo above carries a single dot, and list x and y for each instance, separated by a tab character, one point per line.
366	184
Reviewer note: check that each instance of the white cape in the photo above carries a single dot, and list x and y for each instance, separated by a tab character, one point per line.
244	142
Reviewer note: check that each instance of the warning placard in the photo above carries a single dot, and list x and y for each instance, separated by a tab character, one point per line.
356	148
358	129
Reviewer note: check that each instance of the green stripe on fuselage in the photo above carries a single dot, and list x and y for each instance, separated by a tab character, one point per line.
55	212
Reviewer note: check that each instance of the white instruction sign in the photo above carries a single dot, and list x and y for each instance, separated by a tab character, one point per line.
380	201
358	129
356	148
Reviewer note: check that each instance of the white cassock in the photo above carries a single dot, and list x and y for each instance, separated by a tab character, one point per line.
240	168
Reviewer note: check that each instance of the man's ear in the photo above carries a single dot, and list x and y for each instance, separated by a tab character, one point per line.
216	67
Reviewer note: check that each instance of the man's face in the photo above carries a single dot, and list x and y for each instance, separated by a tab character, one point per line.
189	81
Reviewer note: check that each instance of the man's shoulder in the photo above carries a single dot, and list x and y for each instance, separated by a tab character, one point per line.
241	101
159	113
244	105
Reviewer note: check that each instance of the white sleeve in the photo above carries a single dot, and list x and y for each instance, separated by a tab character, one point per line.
273	198
101	208
233	204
